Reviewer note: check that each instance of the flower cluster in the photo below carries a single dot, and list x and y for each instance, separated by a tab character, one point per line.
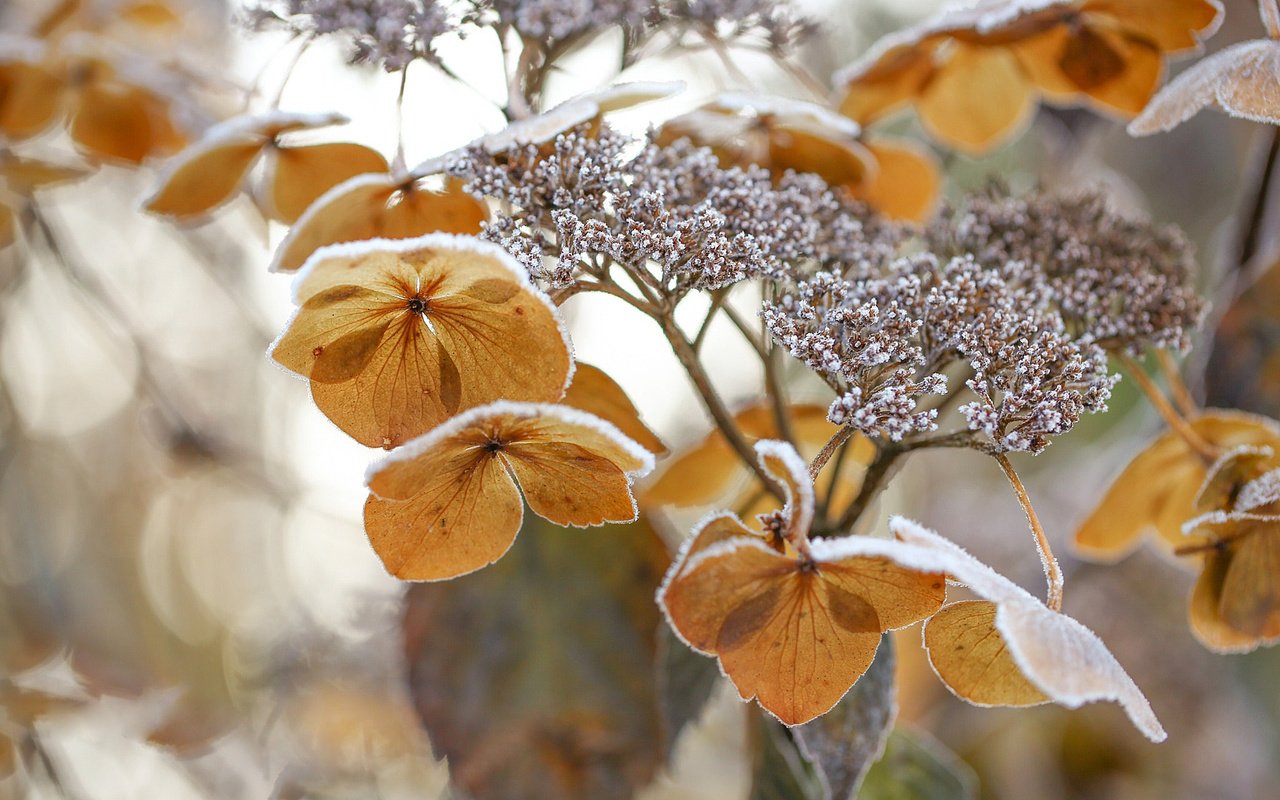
672	211
777	25
552	21
391	33
1123	283
884	339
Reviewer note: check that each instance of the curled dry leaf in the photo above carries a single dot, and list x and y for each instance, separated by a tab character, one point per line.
1235	604
397	336
708	472
448	503
379	206
782	134
210	172
793	630
1157	489
1009	649
594	392
1243	80
975	71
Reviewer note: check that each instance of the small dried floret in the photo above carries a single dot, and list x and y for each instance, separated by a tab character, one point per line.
1125	283
391	33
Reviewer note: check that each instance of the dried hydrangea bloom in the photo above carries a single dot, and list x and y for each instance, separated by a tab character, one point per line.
892	176
1009	649
1241	80
1156	492
390	33
449	502
673	211
211	171
397	336
975	70
793	623
1235	604
1122	282
880	339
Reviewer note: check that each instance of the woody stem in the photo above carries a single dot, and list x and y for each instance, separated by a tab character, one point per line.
1270	17
1052	572
1207	452
833	444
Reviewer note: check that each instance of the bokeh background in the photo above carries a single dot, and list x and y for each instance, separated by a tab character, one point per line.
188	605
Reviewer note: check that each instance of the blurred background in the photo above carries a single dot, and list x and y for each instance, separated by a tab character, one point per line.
188	605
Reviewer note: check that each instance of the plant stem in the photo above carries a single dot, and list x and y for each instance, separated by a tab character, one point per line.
1052	572
714	405
1207	452
1177	386
1270	17
834	443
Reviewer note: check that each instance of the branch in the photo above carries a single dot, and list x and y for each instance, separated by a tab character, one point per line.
1052	572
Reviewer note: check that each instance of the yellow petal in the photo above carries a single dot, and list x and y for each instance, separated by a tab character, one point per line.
1171	25
955	111
906	183
30	98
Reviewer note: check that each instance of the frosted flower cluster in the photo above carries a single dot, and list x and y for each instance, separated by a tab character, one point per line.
1123	283
884	342
390	33
590	200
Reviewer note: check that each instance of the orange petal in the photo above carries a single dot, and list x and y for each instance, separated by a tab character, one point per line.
795	635
397	336
463	515
118	121
1250	599
30	98
970	656
297	176
1205	611
8	226
890	81
25	175
1088	62
1155	492
203	177
596	393
956	111
907	180
1171	25
446	504
807	148
371	206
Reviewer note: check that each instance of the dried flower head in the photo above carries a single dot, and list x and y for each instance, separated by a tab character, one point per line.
390	33
1121	282
672	211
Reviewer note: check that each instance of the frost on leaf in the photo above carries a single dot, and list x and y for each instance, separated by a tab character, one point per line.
379	206
211	171
794	624
1158	488
1009	649
1243	80
397	336
449	502
975	71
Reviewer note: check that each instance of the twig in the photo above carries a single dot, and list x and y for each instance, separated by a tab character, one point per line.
1177	387
833	444
714	405
1207	452
1052	572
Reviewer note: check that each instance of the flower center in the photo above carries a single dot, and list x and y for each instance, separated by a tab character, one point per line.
417	305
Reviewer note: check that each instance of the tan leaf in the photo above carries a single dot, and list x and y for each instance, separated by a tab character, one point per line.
117	121
1235	605
1242	80
31	96
298	175
1058	657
